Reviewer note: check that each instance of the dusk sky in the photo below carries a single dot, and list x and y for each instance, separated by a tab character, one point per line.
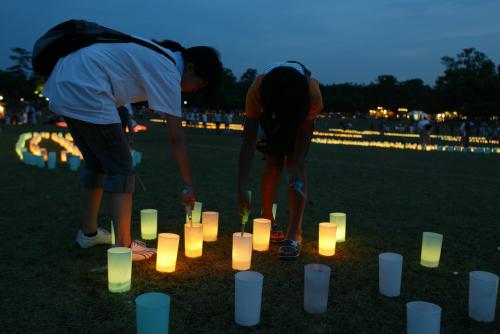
340	40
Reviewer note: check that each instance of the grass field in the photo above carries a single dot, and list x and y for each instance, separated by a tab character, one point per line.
390	196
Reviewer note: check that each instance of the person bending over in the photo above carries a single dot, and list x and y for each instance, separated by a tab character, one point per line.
283	102
88	85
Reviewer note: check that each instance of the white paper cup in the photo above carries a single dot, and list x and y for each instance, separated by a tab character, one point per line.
166	256
423	318
483	290
261	234
316	287
153	312
247	297
210	222
242	251
390	266
193	240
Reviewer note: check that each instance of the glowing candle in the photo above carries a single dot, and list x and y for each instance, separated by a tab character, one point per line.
247	297
149	222
119	269
316	287
275	208
339	218
210	222
242	251
327	239
166	258
152	313
431	249
261	234
64	156
196	213
483	290
112	233
193	240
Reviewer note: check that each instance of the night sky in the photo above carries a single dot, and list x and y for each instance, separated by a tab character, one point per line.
340	40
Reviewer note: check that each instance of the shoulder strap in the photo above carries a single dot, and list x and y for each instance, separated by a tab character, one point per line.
153	47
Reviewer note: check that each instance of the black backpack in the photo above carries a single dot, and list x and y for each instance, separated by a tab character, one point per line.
73	35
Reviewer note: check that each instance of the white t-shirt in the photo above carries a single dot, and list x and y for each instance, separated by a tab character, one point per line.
90	83
421	124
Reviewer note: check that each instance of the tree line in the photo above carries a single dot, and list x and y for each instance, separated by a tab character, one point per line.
470	85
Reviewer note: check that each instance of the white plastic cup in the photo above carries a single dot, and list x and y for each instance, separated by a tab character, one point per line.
483	290
195	213
390	267
119	269
423	318
210	222
327	239
247	297
193	240
431	249
316	287
242	251
149	224
152	310
166	256
261	234
339	219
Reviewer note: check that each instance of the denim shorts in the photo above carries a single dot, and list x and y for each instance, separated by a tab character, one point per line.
105	151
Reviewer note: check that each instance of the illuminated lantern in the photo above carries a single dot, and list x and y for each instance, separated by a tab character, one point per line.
316	287
390	267
247	297
423	318
431	249
119	269
339	218
327	239
51	163
166	257
63	156
197	212
152	310
112	234
149	223
483	289
210	222
193	240
242	251
261	234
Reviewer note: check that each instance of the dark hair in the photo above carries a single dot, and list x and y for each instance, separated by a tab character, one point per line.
284	92
206	61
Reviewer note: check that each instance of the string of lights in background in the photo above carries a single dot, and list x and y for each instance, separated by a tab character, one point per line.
319	137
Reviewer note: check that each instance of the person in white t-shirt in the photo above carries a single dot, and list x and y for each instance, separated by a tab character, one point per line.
424	128
88	85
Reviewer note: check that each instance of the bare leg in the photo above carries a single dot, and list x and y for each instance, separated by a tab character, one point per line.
91	204
121	213
296	205
272	173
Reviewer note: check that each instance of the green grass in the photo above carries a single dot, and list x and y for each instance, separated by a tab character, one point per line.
391	197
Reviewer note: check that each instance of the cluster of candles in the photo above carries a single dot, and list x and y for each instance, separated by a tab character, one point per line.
404	146
422	317
34	155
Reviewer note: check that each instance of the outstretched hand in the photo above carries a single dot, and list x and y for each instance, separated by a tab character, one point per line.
187	197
